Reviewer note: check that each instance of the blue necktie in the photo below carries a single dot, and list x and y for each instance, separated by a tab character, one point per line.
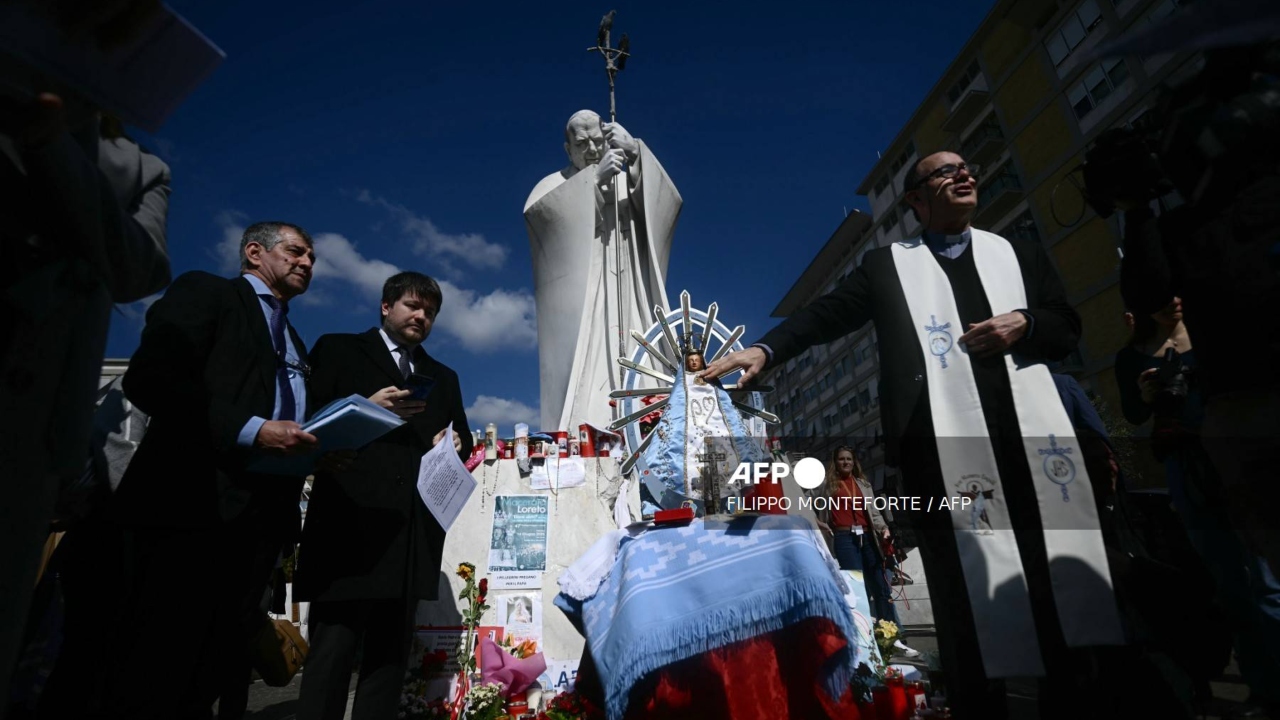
279	313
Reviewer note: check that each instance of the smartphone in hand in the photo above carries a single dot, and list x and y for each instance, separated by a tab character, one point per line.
420	385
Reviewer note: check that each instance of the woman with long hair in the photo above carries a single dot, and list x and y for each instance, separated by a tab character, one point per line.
858	529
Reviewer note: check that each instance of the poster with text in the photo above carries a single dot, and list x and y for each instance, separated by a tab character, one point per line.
518	542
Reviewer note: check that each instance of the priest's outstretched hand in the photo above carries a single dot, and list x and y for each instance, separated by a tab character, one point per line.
995	336
750	361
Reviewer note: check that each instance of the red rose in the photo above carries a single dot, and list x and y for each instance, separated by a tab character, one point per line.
484	586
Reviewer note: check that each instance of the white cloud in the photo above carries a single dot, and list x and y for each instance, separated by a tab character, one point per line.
441	247
137	310
504	412
338	258
501	320
227	251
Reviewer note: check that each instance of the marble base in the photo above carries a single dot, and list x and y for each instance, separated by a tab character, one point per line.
577	518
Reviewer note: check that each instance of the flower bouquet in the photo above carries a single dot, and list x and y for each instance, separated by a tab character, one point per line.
571	706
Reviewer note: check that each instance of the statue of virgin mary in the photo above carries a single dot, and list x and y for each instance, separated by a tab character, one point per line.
701	439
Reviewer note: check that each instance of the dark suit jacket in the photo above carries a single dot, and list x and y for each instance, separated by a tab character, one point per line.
206	365
367	533
873	293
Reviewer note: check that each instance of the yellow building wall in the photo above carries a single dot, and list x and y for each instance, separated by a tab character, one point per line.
1102	318
1069	202
1024	89
1087	256
930	136
1002	46
1044	140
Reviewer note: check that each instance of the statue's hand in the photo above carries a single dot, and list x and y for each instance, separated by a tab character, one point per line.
618	137
610	165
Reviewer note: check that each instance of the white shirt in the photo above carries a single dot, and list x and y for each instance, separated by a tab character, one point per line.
394	349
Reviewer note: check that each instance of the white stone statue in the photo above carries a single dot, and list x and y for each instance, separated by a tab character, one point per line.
573	235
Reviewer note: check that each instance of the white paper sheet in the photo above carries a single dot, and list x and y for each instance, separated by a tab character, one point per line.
558	474
443	482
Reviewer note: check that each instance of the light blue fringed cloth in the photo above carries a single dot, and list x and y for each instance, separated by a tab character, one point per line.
677	592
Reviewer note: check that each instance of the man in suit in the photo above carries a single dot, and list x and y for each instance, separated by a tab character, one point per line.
942	190
222	375
371	549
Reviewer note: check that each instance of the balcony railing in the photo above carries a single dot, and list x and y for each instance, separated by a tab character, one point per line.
973	101
982	145
997	196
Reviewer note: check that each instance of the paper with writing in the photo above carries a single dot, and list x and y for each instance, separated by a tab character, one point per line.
443	482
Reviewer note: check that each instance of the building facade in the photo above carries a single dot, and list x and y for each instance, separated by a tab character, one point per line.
829	395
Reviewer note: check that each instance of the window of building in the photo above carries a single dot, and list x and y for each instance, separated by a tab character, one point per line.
1162	10
892	221
1023	227
1002	177
970	74
1097	85
1085	19
903	158
864	398
881	184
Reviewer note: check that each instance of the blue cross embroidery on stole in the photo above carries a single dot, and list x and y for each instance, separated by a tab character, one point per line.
1058	467
939	340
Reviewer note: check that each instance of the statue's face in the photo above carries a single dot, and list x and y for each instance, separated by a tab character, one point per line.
585	143
694	363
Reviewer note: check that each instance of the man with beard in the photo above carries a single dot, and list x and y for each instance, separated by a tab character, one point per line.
371	549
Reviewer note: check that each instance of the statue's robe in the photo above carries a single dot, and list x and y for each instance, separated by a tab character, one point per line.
573	236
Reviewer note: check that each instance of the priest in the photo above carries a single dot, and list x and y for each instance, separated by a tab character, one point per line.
966	320
600	234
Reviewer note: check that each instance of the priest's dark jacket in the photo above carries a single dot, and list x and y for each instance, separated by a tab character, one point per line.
873	293
367	534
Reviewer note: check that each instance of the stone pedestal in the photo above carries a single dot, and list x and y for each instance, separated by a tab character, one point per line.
577	517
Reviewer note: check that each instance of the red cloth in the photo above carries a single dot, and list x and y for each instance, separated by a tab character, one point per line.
772	676
842	513
766	488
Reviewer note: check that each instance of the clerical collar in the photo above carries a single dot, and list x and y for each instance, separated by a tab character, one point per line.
948	245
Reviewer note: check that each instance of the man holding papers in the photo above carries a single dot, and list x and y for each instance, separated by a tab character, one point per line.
370	548
223	377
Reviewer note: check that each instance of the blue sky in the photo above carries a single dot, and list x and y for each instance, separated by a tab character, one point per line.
406	135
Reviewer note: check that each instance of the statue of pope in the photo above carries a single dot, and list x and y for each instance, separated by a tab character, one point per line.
575	237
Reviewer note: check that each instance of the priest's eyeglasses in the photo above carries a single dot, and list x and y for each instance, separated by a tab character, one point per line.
948	172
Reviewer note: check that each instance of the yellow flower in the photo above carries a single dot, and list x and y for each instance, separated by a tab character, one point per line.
886	629
466	570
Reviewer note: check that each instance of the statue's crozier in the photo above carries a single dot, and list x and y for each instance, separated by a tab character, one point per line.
573	236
